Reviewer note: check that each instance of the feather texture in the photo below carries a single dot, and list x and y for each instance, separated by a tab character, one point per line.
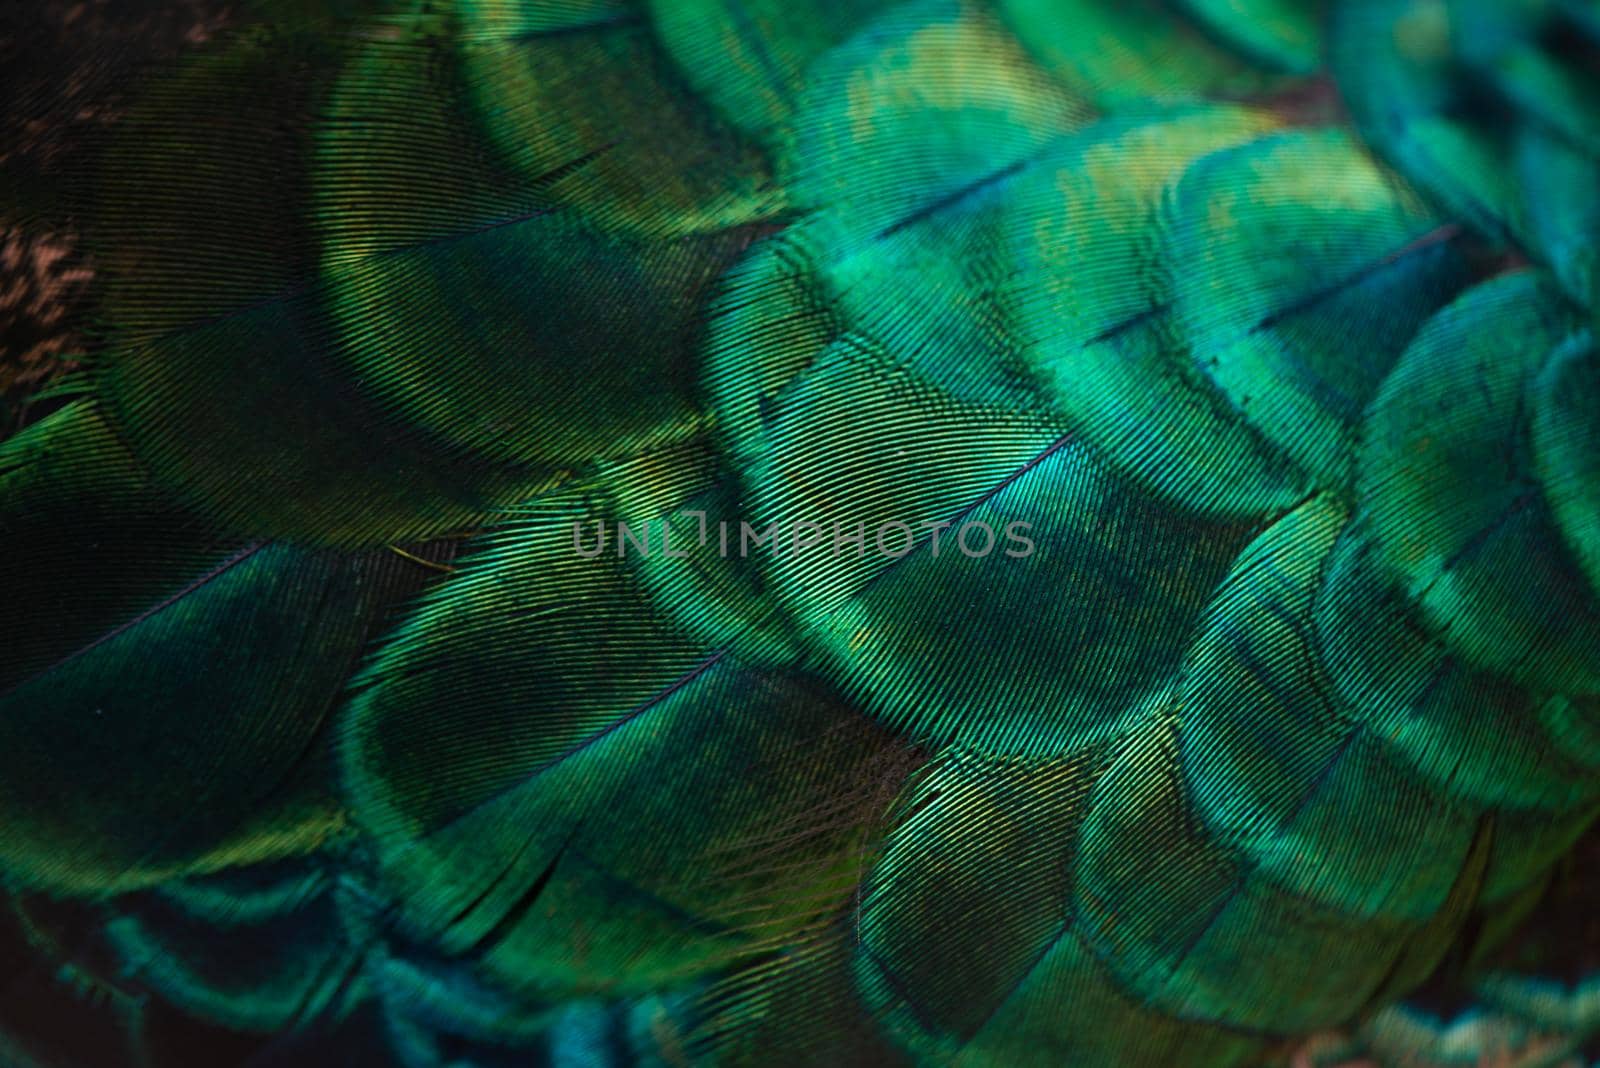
928	532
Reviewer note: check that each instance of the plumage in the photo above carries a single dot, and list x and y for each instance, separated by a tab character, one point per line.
719	532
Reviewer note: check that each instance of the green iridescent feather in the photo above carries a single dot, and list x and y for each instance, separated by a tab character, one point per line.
891	532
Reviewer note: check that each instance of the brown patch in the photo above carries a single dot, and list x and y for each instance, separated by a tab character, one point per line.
67	71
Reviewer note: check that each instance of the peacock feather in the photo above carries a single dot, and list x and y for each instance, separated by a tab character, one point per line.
820	532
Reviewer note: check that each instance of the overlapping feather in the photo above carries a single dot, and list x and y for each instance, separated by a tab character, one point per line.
1299	417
